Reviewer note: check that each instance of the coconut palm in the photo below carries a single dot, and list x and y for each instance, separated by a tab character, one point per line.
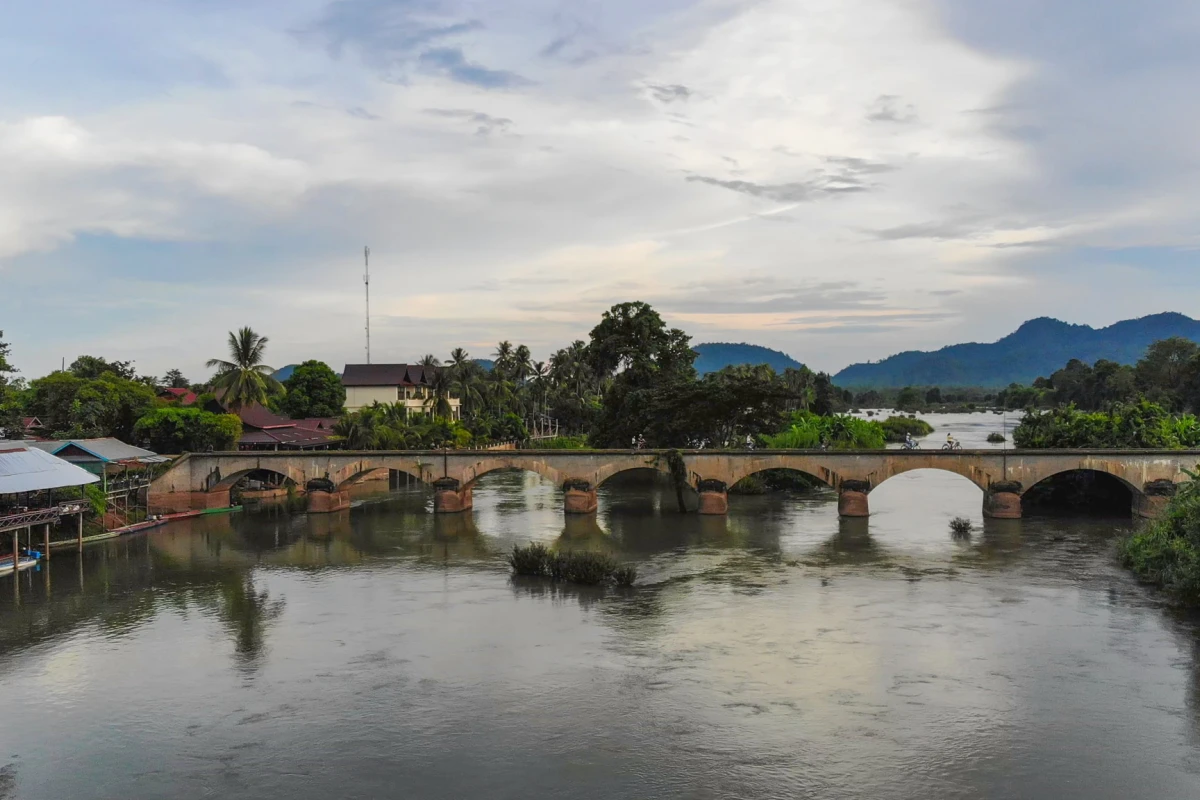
438	401
245	378
429	360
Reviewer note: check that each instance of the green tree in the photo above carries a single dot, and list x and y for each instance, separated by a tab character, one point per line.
108	406
182	430
244	377
94	367
174	379
637	353
1165	370
10	406
909	399
313	390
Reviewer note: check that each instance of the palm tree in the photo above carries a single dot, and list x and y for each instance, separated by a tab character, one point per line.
429	360
438	401
245	378
504	359
522	364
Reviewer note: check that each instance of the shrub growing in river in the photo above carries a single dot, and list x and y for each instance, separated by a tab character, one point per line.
588	569
894	428
1166	552
996	438
960	527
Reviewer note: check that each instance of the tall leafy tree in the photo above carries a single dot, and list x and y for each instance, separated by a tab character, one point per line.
10	407
174	379
244	377
313	390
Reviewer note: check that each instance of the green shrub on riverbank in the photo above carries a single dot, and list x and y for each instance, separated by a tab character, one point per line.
894	428
840	432
587	569
1125	426
1166	552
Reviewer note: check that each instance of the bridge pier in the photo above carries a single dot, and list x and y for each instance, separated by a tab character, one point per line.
852	499
177	502
1152	500
451	498
714	497
579	497
1002	500
323	502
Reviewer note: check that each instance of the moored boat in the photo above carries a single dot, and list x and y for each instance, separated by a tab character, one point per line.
25	562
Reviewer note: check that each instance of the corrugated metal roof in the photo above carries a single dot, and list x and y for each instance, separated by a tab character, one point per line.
108	449
29	469
383	375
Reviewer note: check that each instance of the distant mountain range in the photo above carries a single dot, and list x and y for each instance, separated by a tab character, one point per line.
713	356
1036	349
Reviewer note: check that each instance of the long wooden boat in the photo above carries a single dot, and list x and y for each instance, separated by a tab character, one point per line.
6	564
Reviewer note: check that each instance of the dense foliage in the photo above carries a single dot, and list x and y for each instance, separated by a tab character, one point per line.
1133	425
10	403
182	430
895	428
807	430
313	390
1168	374
74	407
1166	552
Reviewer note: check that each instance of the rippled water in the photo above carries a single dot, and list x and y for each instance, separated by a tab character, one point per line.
778	652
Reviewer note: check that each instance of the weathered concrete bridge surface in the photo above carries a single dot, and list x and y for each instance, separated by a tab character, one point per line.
203	480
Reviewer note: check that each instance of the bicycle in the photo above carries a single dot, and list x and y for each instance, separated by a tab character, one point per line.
952	446
912	445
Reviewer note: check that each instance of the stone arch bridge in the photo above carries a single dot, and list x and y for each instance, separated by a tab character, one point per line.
204	480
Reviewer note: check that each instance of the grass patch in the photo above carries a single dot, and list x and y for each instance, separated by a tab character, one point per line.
583	568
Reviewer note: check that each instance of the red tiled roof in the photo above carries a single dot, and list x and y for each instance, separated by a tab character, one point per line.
184	396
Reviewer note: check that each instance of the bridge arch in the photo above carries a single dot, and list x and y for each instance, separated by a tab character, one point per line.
744	468
471	474
222	481
980	478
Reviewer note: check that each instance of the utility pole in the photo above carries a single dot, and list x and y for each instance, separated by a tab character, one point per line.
367	284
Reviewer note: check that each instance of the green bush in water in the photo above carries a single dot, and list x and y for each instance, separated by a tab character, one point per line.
960	527
531	560
996	438
1166	551
894	428
584	568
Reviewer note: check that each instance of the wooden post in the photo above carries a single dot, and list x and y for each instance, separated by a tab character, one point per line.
80	531
46	542
16	549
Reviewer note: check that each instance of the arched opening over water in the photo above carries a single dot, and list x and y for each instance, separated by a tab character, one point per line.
1080	491
643	491
782	479
924	501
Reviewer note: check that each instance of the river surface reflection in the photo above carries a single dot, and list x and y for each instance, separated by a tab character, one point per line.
775	653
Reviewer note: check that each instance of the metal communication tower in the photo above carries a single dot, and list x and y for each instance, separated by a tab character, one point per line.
367	284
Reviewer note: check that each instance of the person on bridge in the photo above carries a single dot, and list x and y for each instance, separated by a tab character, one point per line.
951	442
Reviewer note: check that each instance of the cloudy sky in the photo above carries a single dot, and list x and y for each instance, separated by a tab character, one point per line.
838	179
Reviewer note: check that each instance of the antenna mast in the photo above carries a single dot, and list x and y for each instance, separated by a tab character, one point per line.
367	284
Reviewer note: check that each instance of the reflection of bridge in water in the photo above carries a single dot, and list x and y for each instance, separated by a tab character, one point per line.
204	480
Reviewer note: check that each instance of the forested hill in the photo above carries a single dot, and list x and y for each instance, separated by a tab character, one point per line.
713	356
1037	348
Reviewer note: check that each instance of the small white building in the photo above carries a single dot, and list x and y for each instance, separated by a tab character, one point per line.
407	384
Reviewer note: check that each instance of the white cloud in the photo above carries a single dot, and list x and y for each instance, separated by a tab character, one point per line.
597	153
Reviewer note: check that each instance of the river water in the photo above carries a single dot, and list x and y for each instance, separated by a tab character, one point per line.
775	653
